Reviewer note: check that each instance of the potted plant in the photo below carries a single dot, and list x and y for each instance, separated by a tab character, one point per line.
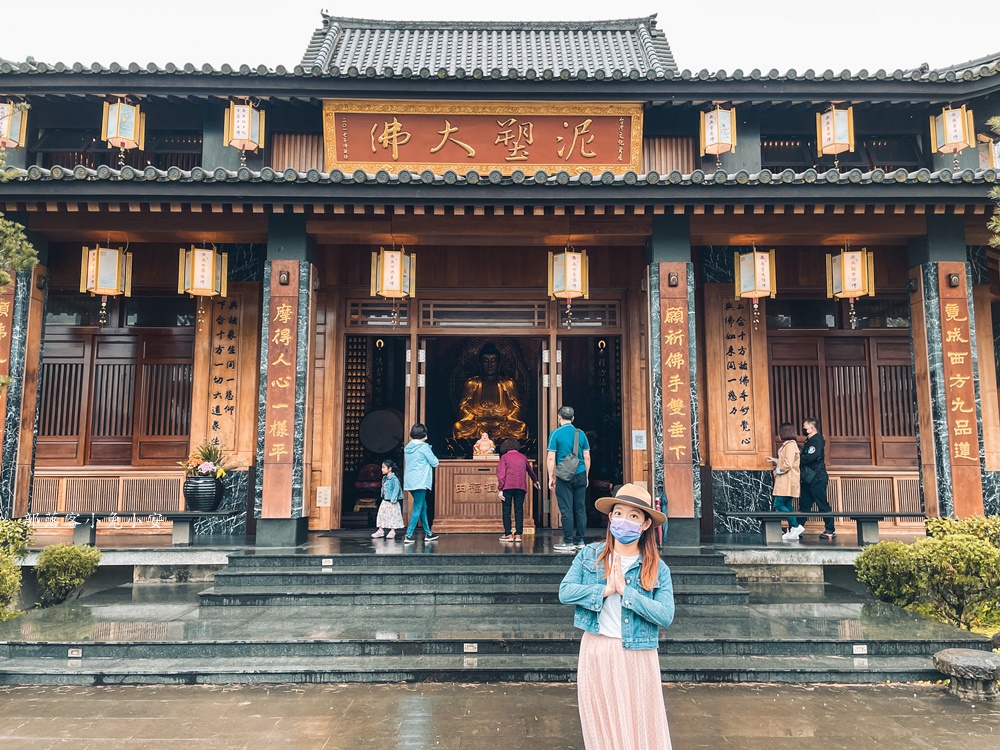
203	473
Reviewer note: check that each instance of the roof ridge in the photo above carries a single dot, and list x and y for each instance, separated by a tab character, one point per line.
613	24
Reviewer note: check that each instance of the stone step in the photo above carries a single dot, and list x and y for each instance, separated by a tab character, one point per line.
408	555
472	575
440	594
452	668
557	643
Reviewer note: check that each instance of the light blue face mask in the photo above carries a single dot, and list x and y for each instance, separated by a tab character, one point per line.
625	531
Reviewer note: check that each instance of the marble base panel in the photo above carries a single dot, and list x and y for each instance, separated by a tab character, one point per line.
682	532
991	493
740	491
236	487
282	532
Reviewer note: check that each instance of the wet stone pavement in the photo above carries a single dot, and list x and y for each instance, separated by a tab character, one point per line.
488	717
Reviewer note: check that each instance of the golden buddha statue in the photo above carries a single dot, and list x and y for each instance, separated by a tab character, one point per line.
490	403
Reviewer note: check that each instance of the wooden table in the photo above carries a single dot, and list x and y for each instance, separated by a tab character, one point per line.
466	501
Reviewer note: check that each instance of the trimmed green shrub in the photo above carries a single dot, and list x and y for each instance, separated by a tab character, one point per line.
957	577
986	528
960	577
889	569
15	533
62	569
10	585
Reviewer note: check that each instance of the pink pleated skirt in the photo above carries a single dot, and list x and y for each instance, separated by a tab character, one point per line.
620	696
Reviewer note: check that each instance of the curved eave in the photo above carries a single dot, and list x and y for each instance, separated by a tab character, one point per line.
678	88
267	185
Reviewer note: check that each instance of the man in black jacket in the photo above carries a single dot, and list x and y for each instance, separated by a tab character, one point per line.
814	477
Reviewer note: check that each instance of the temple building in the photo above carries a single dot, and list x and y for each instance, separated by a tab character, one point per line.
469	225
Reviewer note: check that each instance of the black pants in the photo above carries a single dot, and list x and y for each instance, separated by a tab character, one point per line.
815	493
515	498
572	497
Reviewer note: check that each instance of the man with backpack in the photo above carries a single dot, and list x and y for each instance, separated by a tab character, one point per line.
568	463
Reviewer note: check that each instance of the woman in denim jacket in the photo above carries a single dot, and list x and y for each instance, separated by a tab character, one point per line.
623	596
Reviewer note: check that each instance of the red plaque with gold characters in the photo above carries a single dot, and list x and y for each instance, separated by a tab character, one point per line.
413	136
6	318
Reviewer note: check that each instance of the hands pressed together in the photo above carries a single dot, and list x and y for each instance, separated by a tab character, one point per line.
616	578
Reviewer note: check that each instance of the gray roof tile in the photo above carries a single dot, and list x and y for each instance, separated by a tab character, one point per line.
634	47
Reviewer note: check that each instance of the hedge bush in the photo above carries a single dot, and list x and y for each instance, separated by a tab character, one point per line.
62	569
958	575
15	533
986	528
10	585
889	569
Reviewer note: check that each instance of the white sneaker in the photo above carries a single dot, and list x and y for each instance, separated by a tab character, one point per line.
788	536
378	534
796	532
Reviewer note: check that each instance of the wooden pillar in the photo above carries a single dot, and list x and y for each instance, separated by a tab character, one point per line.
22	308
287	332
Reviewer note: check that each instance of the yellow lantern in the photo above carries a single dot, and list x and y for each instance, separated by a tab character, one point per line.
850	274
569	278
989	152
393	273
755	277
13	124
718	132
202	272
952	131
124	126
244	128
106	271
834	132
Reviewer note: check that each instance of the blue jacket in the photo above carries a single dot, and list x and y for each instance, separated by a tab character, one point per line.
643	612
390	488
419	461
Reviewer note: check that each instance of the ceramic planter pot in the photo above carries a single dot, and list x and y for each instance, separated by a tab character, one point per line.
202	493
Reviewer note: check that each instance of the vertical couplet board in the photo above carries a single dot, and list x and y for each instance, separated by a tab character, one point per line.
960	391
6	324
675	361
279	407
736	381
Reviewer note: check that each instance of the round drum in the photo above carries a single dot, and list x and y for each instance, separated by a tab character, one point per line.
381	431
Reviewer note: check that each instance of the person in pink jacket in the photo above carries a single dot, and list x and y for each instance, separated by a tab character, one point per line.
512	483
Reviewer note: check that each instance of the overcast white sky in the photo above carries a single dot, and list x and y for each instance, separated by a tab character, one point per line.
713	34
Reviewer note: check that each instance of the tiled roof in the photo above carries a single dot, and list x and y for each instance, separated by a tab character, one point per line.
632	47
541	178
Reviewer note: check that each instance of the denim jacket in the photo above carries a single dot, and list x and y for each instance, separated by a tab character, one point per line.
643	612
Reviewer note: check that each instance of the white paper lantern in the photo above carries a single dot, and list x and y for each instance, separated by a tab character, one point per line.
393	273
202	272
106	271
124	126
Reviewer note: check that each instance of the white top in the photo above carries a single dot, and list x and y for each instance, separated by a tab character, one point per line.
609	619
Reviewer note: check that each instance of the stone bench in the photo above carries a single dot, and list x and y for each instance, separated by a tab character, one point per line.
770	522
973	674
85	524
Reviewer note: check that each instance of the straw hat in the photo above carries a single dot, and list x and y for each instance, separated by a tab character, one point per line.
637	497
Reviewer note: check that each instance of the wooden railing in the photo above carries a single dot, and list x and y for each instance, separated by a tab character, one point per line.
877	491
134	495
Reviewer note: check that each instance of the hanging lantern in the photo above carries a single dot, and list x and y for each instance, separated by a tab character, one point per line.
394	276
835	132
569	278
718	132
952	131
850	274
244	128
124	126
106	271
202	272
755	277
989	152
13	126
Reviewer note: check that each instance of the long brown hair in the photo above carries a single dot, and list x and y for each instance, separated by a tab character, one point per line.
648	549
